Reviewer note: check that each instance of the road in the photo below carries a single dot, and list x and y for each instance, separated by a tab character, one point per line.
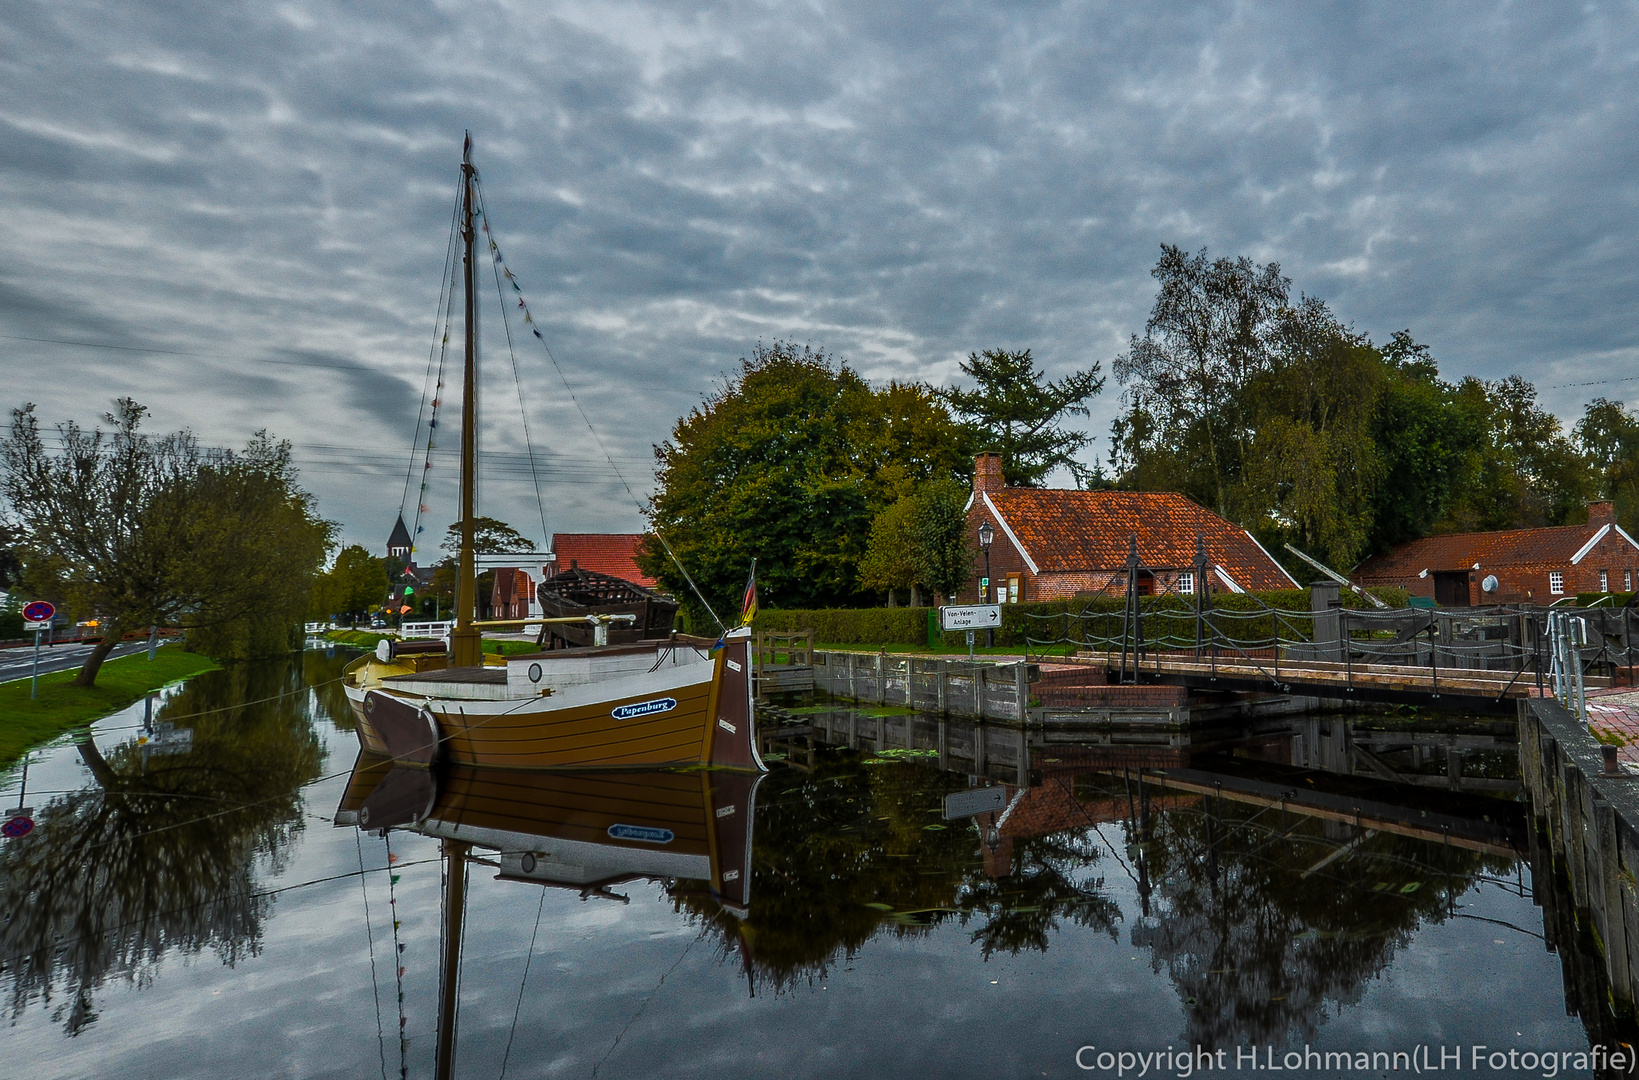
19	663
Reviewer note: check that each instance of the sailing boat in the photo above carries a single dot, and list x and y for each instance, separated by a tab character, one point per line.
645	704
586	833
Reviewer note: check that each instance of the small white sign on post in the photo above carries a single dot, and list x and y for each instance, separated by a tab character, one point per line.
974	801
971	617
43	624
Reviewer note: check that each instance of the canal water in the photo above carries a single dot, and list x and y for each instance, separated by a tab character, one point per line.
207	905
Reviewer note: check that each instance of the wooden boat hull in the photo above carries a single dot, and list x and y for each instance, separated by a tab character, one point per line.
700	714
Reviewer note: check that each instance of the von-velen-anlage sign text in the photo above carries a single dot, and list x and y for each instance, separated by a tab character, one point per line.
971	617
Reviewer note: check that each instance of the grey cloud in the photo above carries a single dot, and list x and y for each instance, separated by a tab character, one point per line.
901	184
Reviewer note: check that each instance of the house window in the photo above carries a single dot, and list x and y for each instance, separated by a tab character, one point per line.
1627	580
1186	582
1556	582
1604	581
1013	586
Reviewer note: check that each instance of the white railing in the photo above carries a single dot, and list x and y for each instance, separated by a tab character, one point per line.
414	631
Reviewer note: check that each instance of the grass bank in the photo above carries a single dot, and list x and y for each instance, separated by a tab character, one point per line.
62	706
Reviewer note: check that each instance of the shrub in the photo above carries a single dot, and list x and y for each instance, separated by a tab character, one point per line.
1246	619
850	626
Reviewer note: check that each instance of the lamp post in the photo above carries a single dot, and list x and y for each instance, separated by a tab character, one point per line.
986	535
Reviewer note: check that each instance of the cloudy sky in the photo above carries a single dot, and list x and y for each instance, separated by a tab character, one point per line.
239	214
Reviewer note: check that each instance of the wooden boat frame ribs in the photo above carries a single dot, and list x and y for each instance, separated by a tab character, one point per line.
577	593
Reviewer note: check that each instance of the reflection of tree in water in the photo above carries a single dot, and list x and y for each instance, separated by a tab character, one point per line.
160	852
1258	935
856	849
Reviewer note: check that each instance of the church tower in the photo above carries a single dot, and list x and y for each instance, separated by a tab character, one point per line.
398	544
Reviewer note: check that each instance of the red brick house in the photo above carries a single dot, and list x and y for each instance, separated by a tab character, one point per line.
1511	566
511	593
1052	544
602	553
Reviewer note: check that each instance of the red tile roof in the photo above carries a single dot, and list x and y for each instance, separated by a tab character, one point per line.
601	553
1068	531
1551	548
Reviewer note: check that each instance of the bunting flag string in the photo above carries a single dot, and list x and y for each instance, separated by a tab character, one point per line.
529	318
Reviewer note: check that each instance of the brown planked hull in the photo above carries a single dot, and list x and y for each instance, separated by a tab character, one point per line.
699	714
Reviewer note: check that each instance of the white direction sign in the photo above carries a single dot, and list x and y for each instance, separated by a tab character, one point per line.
971	617
980	800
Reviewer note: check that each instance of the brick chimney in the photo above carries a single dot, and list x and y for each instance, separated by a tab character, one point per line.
987	473
1601	513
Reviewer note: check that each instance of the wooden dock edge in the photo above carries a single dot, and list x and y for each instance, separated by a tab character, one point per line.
1586	832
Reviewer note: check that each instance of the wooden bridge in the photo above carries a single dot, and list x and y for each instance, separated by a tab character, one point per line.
1481	660
1457	689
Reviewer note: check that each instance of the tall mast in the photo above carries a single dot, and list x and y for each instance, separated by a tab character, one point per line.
466	645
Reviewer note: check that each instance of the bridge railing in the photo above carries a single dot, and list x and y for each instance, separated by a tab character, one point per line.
1513	642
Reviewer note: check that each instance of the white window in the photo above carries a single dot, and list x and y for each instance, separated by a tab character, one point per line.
1556	582
1604	581
1012	590
1186	582
1627	580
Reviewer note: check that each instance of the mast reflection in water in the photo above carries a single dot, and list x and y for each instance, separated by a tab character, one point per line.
1347	883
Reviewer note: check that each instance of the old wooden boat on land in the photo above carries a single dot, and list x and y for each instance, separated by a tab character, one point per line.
654	701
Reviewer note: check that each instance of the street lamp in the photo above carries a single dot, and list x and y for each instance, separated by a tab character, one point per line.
986	536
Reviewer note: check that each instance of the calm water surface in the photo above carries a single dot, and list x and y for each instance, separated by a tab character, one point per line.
202	913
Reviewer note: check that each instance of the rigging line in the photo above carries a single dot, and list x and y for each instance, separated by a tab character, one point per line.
563	378
16	957
438	397
645	1004
370	936
398	957
432	351
518	1008
221	813
517	379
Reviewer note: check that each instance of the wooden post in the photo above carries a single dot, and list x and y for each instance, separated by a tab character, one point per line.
881	681
944	740
942	688
910	682
1021	687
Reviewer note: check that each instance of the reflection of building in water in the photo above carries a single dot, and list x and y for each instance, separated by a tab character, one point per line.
1279	865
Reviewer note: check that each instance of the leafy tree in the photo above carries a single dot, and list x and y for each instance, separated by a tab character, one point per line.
144	531
1208	336
1312	466
789	462
1609	437
944	552
921	540
1014	412
890	561
356	582
1424	438
1524	472
490	536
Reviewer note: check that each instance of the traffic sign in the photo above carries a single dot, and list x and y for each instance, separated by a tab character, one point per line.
39	611
43	624
971	617
17	826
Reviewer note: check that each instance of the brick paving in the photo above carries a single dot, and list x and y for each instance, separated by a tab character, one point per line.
1615	711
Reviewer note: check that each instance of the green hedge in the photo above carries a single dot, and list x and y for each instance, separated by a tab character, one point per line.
1611	600
1047	620
850	626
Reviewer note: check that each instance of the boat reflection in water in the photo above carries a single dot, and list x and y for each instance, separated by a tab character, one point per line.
587	832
